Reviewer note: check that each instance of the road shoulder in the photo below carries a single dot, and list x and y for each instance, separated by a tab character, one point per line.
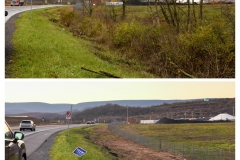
42	153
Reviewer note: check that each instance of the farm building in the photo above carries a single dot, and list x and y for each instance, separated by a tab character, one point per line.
223	117
148	121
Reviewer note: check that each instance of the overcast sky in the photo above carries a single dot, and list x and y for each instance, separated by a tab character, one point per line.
77	91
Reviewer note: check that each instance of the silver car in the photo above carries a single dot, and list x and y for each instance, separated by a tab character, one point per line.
14	146
27	124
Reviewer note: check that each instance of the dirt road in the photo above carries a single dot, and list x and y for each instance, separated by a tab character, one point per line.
127	150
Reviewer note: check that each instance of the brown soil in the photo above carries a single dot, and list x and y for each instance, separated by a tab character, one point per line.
126	149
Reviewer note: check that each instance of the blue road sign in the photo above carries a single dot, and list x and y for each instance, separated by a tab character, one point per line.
79	151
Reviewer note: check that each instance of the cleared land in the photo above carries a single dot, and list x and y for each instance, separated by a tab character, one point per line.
100	144
208	135
213	135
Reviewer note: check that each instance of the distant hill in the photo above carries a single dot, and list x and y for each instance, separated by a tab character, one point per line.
39	115
18	108
109	111
190	109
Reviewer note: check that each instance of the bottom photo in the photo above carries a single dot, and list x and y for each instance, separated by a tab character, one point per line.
120	119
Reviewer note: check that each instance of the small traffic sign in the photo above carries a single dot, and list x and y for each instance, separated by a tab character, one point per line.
68	115
79	151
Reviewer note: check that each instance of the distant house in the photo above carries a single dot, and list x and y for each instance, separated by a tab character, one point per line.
223	117
148	121
114	3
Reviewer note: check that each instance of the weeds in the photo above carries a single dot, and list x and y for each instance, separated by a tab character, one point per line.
190	48
207	50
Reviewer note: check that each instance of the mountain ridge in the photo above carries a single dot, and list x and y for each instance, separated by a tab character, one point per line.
25	107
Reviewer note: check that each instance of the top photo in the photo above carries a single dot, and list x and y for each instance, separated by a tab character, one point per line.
120	39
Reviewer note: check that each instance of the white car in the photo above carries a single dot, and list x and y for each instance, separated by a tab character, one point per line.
27	124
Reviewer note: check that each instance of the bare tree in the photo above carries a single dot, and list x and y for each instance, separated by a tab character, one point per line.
200	12
124	9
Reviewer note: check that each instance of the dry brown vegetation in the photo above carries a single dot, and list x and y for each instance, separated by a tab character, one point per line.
15	121
171	41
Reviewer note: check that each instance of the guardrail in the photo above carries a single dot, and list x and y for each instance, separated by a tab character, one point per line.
190	152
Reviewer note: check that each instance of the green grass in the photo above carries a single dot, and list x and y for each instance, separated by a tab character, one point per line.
43	49
212	135
64	145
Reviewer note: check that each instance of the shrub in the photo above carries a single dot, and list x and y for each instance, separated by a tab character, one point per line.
210	51
66	17
88	26
125	33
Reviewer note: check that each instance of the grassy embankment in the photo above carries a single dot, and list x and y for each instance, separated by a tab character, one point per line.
212	135
46	50
133	47
217	136
64	146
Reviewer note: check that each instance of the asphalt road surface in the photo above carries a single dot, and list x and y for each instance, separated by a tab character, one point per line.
12	10
34	139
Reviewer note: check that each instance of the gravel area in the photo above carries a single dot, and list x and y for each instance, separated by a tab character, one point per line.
42	153
9	30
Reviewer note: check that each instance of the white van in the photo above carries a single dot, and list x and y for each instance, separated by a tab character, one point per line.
17	3
191	1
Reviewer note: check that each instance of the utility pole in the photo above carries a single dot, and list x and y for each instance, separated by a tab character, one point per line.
31	9
233	114
233	110
71	114
127	114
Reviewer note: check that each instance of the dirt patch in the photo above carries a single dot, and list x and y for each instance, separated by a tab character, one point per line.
125	149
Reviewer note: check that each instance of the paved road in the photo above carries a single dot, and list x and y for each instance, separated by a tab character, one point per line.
34	139
12	10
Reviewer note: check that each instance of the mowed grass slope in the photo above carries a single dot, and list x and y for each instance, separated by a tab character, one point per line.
212	135
43	49
64	145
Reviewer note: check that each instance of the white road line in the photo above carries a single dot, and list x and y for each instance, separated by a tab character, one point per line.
40	131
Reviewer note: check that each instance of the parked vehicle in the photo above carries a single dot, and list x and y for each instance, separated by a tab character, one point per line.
27	124
90	122
14	146
17	3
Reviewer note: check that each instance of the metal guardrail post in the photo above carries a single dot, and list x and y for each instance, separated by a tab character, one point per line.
160	145
183	149
192	152
220	154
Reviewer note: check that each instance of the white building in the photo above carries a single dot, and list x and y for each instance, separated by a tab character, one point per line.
223	117
148	121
